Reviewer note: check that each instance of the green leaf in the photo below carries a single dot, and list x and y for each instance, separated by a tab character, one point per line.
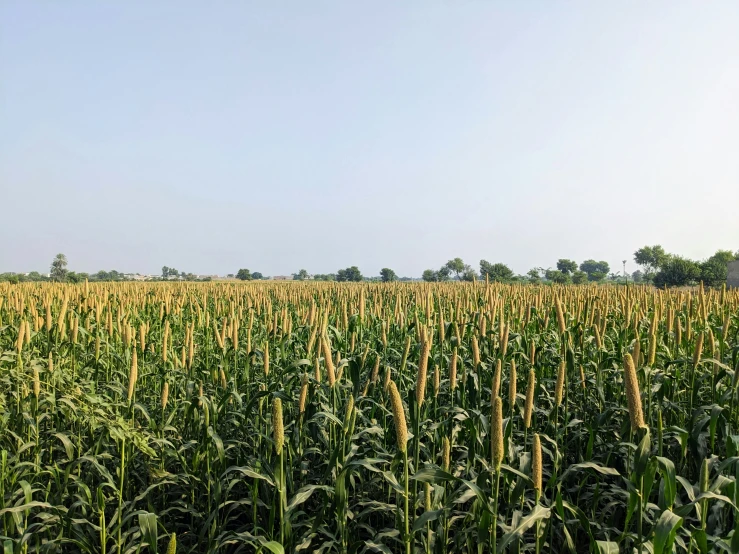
607	547
665	531
538	513
591	465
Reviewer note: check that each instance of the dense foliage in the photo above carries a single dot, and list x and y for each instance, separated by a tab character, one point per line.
324	417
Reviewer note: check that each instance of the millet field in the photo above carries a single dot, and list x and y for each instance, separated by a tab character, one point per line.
351	418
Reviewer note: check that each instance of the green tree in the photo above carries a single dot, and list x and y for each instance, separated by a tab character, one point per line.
579	277
677	272
430	275
498	272
349	274
301	275
566	266
244	275
597	271
714	270
456	266
534	274
387	275
257	275
58	270
651	259
557	276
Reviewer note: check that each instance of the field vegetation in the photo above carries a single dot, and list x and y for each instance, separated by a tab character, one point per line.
434	417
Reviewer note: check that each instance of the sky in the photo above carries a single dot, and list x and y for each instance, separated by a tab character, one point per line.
275	136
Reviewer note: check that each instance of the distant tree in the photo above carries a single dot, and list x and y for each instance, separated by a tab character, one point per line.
349	274
597	271
244	275
638	276
165	272
468	274
677	272
651	258
444	274
566	266
579	277
387	275
499	272
557	276
430	275
714	270
534	274
301	275
325	277
58	270
456	266
256	275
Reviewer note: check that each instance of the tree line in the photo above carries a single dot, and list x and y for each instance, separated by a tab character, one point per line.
657	267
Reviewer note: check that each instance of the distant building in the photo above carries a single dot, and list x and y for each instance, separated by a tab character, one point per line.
732	275
282	278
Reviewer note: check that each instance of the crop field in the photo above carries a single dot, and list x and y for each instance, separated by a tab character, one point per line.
402	417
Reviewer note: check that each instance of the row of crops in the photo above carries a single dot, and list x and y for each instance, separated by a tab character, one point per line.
319	417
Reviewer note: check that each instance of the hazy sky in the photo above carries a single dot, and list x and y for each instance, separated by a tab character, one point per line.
276	136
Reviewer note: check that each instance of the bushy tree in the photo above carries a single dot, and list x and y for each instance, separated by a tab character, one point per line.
456	266
597	271
557	276
714	269
58	270
387	275
256	275
566	266
430	275
677	272
244	275
301	275
498	272
579	277
534	274
651	259
349	274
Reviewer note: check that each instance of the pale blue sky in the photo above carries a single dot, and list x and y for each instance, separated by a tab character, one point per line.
276	136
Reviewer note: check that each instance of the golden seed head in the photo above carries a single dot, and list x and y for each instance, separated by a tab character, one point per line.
698	350
165	394
560	315
376	369
172	546
349	412
529	406
559	388
453	370
21	336
303	394
330	371
495	387
437	380
704	476
446	454
51	363
401	431
512	384
427	497
475	352
266	358
422	371
536	463
36	382
496	432
633	397
278	431
652	354
133	374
